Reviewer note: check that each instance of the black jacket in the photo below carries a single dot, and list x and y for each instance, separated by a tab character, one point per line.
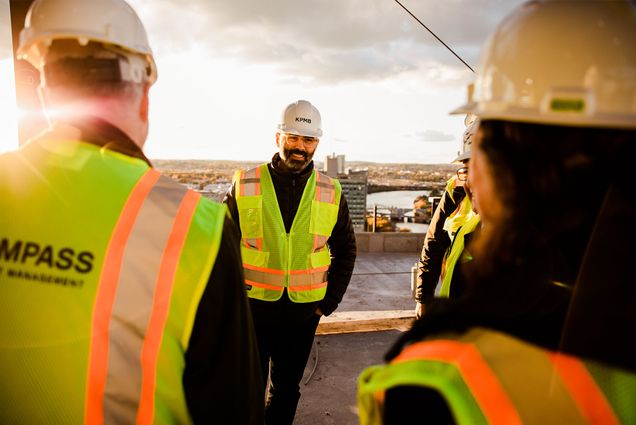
289	189
436	243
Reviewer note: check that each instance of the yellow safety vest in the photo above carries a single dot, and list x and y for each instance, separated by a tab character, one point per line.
487	377
103	263
462	213
455	253
274	259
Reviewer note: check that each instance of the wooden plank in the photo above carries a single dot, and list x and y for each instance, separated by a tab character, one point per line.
365	321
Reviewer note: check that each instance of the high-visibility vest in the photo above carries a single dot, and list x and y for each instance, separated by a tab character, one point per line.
462	213
103	263
455	253
274	259
487	377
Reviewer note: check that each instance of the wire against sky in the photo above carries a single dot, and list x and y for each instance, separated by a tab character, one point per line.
434	35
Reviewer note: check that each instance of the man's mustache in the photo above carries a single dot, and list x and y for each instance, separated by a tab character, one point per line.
298	152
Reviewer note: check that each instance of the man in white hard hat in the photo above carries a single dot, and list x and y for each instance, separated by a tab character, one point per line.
121	292
544	335
298	252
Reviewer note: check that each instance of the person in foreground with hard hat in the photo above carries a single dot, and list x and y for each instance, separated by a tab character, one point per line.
453	211
543	335
121	292
298	251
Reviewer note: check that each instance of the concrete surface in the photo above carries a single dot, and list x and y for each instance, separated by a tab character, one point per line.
390	241
329	397
379	288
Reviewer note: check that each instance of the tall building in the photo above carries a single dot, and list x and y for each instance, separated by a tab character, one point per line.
354	187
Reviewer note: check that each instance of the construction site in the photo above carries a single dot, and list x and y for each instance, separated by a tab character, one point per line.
183	242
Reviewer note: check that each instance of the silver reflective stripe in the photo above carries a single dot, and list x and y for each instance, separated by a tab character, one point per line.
264	277
313	278
325	190
250	183
134	300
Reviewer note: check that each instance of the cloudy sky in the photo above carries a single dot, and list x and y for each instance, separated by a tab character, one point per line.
382	83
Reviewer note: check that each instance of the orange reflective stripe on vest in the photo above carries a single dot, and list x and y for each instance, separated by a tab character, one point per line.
157	214
509	392
586	394
486	388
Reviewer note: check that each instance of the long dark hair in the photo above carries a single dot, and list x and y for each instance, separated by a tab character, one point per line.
552	181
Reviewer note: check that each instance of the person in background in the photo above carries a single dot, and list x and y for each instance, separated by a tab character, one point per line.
452	280
454	209
540	336
298	248
121	292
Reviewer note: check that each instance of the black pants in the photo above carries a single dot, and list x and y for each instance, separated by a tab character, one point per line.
285	333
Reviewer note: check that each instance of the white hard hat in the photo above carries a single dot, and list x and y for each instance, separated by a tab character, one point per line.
110	22
563	63
472	124
301	118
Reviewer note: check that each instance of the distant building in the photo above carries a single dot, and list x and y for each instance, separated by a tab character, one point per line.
334	165
354	187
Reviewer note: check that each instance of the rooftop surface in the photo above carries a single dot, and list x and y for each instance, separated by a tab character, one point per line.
378	297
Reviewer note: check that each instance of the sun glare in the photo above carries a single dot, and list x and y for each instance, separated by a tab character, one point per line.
9	113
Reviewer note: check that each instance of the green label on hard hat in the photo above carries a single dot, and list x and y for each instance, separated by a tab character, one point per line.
567	105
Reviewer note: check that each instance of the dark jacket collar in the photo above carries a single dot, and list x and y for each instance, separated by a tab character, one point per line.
98	132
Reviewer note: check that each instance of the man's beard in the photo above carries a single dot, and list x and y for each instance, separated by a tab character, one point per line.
296	164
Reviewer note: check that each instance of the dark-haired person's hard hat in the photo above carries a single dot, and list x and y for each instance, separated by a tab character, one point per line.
559	62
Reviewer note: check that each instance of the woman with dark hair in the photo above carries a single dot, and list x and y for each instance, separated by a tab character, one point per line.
540	335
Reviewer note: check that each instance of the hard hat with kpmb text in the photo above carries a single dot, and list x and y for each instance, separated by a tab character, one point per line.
565	62
112	23
301	118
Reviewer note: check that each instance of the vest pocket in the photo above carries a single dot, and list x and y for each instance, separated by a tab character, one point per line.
254	257
323	218
250	210
320	259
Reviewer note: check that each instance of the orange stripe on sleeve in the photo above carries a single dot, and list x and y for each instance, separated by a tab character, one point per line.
98	355
161	305
587	396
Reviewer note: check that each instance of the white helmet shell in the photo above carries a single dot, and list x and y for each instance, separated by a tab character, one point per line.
301	118
560	62
472	124
110	22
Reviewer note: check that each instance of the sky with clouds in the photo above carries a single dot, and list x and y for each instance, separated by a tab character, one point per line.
383	84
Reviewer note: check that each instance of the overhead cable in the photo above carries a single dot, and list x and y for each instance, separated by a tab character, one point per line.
434	35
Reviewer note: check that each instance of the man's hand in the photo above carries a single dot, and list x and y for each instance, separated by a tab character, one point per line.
319	311
419	310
